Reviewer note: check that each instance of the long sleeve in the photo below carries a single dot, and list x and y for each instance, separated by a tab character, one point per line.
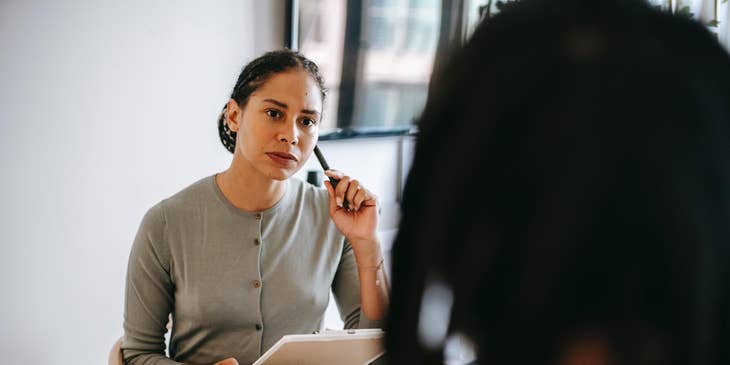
346	290
235	281
149	295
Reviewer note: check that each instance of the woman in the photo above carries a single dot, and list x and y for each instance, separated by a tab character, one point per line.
241	258
584	147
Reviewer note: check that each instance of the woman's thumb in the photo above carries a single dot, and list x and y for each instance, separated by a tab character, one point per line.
331	193
228	361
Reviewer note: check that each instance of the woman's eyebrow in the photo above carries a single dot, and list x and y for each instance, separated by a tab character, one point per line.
273	101
283	105
309	111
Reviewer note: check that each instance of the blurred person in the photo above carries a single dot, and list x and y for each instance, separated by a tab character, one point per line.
569	199
241	258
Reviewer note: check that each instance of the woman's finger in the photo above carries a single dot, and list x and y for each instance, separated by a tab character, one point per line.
228	361
352	189
341	189
334	173
331	193
358	198
370	200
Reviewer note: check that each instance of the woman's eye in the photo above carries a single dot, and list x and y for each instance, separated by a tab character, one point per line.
308	122
273	113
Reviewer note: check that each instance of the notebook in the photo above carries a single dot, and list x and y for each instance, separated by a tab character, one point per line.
348	347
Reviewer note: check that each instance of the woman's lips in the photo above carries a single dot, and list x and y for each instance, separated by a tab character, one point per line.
282	158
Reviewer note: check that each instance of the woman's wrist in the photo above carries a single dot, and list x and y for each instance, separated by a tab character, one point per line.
367	253
376	267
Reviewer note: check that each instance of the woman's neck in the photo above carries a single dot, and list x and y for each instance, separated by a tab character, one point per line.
248	189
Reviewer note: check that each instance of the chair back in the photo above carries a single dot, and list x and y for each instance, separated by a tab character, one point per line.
115	355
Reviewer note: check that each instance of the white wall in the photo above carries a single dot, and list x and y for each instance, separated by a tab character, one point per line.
106	107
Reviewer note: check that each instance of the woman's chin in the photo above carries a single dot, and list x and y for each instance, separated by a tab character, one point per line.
281	174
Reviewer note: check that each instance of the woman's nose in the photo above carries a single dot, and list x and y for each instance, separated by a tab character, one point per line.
289	134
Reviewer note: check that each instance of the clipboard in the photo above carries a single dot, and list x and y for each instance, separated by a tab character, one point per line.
348	347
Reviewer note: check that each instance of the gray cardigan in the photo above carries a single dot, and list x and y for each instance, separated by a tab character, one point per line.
234	281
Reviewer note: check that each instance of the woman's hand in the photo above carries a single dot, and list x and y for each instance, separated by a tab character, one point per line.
228	361
360	223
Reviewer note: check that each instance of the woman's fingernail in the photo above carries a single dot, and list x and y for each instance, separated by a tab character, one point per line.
338	200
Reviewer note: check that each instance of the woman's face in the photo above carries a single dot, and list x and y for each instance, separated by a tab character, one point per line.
279	126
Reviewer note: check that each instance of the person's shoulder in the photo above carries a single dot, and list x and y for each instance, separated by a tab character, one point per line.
193	193
182	201
309	194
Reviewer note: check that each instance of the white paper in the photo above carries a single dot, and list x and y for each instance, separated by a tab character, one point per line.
347	347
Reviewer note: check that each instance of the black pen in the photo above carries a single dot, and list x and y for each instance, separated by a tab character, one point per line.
326	167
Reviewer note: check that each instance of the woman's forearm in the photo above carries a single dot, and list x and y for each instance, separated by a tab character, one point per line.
374	286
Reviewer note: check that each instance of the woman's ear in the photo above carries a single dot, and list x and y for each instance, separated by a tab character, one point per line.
233	112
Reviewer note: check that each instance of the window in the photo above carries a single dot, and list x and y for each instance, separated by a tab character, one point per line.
376	57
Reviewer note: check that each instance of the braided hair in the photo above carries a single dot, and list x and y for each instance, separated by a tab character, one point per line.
255	74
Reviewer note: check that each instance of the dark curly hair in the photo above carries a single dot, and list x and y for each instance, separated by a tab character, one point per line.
255	74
